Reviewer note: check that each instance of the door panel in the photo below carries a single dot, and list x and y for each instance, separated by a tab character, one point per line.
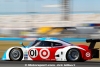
38	54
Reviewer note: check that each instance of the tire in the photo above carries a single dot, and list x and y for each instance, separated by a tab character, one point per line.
73	55
16	54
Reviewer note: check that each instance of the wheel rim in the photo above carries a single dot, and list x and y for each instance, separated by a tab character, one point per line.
73	55
15	54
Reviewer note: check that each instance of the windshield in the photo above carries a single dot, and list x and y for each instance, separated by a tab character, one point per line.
32	43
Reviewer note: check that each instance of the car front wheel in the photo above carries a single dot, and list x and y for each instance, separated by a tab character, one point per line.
16	54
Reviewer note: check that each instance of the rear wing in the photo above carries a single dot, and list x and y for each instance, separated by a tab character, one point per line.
92	42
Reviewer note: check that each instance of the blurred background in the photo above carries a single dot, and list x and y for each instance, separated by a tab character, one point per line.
51	18
26	20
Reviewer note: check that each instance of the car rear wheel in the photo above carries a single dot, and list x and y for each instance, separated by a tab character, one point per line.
73	55
16	54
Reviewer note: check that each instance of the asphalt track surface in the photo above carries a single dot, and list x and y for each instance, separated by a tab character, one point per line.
48	64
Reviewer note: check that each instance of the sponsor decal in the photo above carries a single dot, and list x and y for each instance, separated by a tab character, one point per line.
88	54
25	55
44	53
25	58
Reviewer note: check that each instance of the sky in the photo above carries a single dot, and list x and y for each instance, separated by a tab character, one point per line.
47	5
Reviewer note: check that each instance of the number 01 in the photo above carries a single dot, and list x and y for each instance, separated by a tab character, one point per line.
33	52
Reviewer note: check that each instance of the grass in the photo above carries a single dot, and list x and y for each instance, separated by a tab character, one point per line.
4	45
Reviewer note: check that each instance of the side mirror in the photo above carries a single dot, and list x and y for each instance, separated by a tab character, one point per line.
21	43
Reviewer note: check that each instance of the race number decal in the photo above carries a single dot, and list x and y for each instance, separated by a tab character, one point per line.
44	53
33	53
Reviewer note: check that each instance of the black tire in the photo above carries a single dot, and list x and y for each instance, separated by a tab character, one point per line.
82	60
70	55
14	52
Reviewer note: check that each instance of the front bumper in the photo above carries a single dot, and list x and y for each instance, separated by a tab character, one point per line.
4	56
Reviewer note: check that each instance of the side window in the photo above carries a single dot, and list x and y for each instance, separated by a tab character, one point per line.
47	44
56	44
43	44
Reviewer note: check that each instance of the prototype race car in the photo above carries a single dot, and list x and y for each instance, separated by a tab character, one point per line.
52	49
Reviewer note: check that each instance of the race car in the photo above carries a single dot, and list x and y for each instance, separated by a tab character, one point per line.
52	49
